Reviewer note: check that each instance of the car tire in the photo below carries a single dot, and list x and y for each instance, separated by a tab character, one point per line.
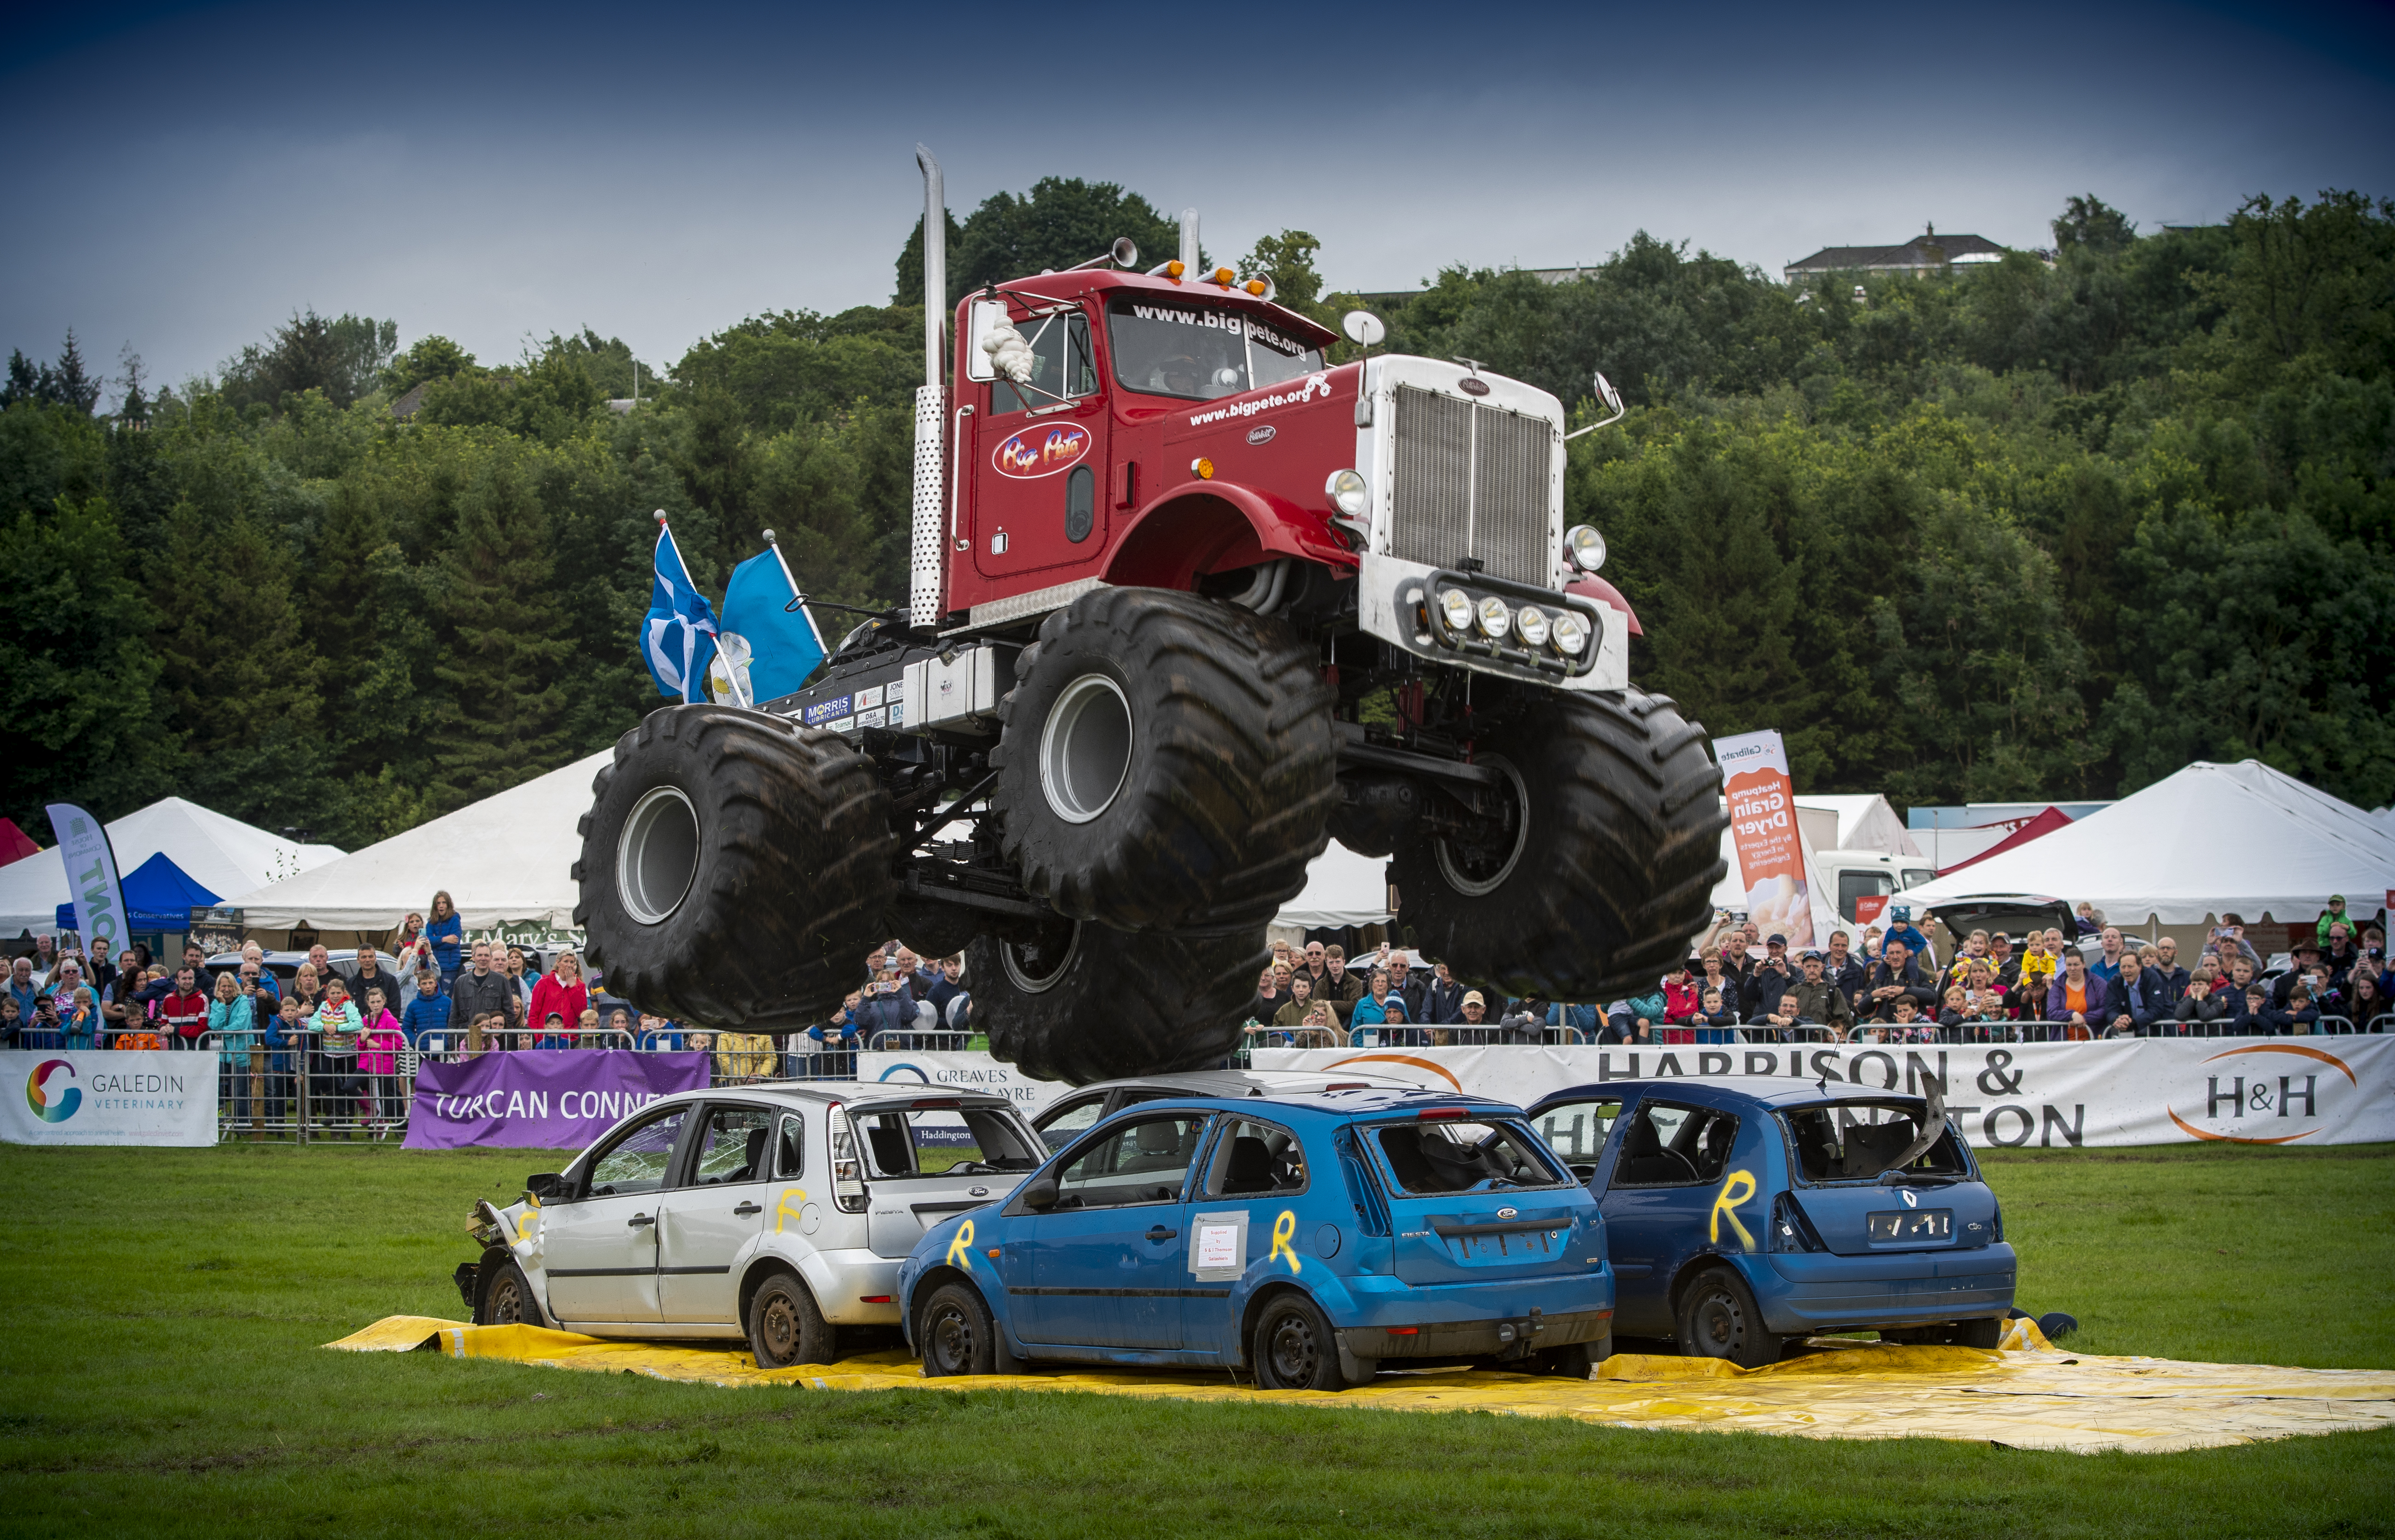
785	1327
1986	1334
1075	1002
1570	1361
507	1300
1166	763
1294	1348
957	1333
734	868
1608	868
1718	1318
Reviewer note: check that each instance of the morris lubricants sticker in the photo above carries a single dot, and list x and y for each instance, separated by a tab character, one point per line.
824	710
1042	451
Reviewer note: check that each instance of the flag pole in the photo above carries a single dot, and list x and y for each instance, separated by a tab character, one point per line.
797	597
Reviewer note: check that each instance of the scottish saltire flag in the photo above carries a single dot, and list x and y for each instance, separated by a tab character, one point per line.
766	618
678	634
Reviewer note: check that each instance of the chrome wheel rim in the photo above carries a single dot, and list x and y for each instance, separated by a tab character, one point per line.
1085	748
657	858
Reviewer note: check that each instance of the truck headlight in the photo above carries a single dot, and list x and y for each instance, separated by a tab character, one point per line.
1495	618
1586	547
1532	624
1348	493
1456	606
1570	635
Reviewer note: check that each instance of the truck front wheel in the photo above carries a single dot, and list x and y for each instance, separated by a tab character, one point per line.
1166	761
1602	867
734	868
1075	1002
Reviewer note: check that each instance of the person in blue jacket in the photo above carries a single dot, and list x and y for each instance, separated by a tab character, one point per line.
429	1012
447	934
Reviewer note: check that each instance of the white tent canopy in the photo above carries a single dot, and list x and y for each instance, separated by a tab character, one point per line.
1341	889
223	854
506	859
2212	839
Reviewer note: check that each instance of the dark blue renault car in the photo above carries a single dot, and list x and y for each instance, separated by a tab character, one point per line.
1306	1236
1738	1219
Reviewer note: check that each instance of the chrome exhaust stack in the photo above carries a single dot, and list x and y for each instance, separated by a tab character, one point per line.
930	404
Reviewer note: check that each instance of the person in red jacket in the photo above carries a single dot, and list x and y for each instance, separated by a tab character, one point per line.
1682	1003
184	1012
561	990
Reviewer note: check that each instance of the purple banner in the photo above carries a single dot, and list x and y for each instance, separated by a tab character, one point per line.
541	1099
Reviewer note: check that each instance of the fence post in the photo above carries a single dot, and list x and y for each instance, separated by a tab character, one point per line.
256	1091
306	1064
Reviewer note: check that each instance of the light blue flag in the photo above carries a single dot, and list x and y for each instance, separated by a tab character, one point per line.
768	628
678	634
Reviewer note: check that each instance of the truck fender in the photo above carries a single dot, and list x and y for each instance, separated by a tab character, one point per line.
1593	587
1202	526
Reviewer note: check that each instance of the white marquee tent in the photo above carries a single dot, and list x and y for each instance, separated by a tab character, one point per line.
221	854
506	860
2212	839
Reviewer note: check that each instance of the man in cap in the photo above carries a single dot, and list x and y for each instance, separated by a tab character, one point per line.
1768	980
1819	999
2306	952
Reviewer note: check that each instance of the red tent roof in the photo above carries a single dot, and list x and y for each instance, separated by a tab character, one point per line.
13	846
2044	823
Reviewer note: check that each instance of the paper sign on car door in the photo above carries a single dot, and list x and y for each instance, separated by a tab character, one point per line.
1219	1249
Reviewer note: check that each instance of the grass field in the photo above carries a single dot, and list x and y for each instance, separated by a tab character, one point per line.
161	1375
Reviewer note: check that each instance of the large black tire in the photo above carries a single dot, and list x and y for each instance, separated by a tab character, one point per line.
956	1333
1294	1348
1611	865
735	866
785	1327
1166	761
507	1300
1718	1318
1076	1001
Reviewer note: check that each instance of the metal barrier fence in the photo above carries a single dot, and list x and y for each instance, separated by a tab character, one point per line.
2064	1031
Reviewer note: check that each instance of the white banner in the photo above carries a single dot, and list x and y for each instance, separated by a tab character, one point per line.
974	1072
2136	1091
102	1097
91	879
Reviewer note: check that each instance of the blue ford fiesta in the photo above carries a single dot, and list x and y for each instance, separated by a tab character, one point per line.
1305	1237
1740	1219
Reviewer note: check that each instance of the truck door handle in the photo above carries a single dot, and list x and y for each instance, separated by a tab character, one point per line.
1161	1234
639	1219
749	1208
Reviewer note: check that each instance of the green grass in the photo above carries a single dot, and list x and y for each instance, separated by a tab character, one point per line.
160	1374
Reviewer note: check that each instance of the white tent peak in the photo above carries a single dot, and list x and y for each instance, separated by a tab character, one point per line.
222	854
508	858
2211	839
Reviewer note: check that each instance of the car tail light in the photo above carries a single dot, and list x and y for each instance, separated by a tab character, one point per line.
873	1299
847	1167
1790	1230
1443	1114
1404	1331
935	1104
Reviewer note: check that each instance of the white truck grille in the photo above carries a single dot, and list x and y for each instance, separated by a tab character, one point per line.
1471	480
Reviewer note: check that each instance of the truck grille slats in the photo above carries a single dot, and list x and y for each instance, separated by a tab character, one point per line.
1471	481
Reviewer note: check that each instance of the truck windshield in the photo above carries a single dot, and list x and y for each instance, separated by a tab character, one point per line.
1199	353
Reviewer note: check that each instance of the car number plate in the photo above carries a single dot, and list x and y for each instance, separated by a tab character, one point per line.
1915	1225
1505	1243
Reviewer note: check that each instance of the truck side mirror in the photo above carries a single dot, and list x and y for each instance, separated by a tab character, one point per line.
1607	393
1039	1193
1363	328
985	317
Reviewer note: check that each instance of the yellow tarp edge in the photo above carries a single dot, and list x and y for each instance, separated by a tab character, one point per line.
2027	1395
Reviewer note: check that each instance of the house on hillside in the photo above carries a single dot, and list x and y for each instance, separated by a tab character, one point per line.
1925	253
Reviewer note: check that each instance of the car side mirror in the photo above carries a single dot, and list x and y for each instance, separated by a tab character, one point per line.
547	1186
1039	1192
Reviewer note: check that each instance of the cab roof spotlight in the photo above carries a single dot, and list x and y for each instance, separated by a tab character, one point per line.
1570	633
1495	618
1532	624
1225	276
1586	547
1456	606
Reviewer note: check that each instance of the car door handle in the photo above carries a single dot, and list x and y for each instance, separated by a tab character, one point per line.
639	1219
1161	1234
749	1208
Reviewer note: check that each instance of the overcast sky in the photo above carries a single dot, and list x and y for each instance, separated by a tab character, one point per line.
182	178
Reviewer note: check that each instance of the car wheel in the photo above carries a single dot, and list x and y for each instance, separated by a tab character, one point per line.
509	1301
1568	1363
1719	1318
1987	1333
956	1332
785	1327
1295	1348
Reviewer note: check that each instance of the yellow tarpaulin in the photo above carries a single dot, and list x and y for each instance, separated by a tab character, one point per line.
2031	1395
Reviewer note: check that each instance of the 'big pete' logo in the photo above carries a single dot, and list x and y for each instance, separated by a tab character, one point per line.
1038	452
38	1099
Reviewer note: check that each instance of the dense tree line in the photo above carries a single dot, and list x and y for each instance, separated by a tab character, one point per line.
2035	529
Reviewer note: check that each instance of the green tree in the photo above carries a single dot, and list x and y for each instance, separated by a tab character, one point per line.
342	357
2090	224
430	358
1062	221
505	658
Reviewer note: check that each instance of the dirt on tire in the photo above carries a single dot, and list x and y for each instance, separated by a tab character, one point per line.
789	876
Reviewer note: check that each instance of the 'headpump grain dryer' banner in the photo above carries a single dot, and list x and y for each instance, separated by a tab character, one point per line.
1770	848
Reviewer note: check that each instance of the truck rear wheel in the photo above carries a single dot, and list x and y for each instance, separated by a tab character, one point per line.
1076	1001
1603	871
735	867
1166	761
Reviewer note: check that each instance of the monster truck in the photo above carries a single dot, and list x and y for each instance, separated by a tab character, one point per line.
1186	601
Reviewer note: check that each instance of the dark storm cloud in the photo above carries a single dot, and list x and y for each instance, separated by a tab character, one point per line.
186	177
